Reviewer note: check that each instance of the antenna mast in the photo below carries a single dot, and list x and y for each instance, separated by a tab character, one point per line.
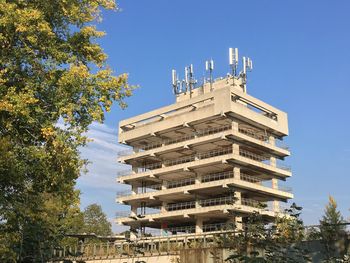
233	60
209	66
190	81
247	66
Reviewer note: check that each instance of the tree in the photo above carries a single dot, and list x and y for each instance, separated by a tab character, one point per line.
95	221
331	224
331	227
54	82
262	241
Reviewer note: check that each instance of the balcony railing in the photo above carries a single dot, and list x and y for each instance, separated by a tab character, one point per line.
181	206
205	179
189	158
199	133
251	202
282	144
261	158
284	167
252	156
181	229
217	227
205	132
123	193
253	133
227	200
180	183
120	214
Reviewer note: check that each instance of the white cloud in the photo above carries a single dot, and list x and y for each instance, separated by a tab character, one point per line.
99	184
102	153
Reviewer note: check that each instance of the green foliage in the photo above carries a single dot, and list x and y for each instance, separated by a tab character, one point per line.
95	221
331	227
261	241
51	70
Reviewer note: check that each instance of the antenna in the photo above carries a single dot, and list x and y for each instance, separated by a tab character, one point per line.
244	60
233	60
250	64
187	82
209	66
247	66
175	82
173	77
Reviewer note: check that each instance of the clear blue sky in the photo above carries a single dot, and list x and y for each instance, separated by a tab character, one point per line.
301	55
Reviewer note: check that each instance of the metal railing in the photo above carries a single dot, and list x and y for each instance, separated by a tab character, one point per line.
253	133
180	206
180	183
181	229
250	178
252	156
123	193
205	179
199	133
216	177
189	158
152	166
205	132
217	227
282	144
285	188
125	152
120	214
262	158
169	115
251	202
227	200
284	167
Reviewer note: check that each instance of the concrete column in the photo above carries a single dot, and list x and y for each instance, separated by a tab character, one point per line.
199	225
163	226
273	161
197	204
238	196
134	189
276	206
237	222
164	185
272	140
133	234
234	126
163	207
134	210
237	173
235	148
198	179
274	183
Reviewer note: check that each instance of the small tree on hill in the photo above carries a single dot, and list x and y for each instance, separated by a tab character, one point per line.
331	223
95	221
331	226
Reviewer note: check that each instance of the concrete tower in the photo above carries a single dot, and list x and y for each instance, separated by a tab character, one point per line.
208	160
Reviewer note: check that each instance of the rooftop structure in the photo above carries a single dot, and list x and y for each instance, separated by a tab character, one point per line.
206	161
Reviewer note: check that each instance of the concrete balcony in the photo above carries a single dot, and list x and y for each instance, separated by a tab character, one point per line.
210	181
215	207
207	135
243	157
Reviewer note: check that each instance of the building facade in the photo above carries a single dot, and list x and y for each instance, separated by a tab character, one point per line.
204	162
